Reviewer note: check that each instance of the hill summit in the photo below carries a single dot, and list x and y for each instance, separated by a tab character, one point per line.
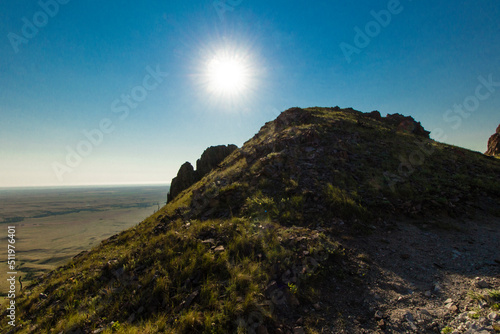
328	220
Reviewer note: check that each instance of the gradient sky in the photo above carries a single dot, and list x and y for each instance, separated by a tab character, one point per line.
68	77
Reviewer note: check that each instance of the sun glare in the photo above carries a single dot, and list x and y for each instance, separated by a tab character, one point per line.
227	75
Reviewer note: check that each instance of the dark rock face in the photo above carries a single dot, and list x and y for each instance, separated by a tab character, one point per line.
494	144
375	115
212	156
292	116
407	124
187	176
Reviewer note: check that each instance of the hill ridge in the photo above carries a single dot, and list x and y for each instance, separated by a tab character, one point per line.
297	231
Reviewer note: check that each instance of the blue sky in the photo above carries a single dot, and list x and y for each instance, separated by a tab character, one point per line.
65	67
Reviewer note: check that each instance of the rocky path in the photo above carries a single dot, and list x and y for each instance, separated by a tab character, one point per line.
426	280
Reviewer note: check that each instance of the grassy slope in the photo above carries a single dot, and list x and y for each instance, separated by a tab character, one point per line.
271	206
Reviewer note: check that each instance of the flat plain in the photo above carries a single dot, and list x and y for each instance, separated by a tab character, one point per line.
55	224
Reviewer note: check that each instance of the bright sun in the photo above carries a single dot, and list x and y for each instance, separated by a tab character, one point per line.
227	75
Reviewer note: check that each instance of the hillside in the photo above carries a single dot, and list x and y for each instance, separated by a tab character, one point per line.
328	220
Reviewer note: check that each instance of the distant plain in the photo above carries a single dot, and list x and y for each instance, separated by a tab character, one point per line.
55	224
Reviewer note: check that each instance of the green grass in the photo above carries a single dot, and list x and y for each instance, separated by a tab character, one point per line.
160	272
446	330
344	204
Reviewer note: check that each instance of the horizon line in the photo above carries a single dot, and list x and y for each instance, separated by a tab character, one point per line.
87	185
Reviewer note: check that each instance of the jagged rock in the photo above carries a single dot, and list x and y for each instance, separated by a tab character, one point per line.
494	144
211	157
375	115
407	124
187	176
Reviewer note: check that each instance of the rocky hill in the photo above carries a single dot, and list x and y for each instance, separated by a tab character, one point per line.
328	220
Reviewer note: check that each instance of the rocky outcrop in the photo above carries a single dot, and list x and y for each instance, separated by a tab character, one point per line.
494	144
375	115
213	156
292	116
407	124
187	176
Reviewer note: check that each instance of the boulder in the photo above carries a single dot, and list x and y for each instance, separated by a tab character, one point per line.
494	144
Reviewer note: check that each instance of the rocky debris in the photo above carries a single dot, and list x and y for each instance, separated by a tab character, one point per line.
481	283
187	176
407	124
474	322
494	144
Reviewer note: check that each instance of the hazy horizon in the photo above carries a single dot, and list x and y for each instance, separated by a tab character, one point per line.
100	93
90	185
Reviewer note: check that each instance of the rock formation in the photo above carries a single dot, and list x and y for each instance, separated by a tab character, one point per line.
494	144
187	176
407	124
292	116
375	115
212	156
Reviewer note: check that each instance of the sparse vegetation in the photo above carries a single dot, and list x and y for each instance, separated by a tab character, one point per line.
446	330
